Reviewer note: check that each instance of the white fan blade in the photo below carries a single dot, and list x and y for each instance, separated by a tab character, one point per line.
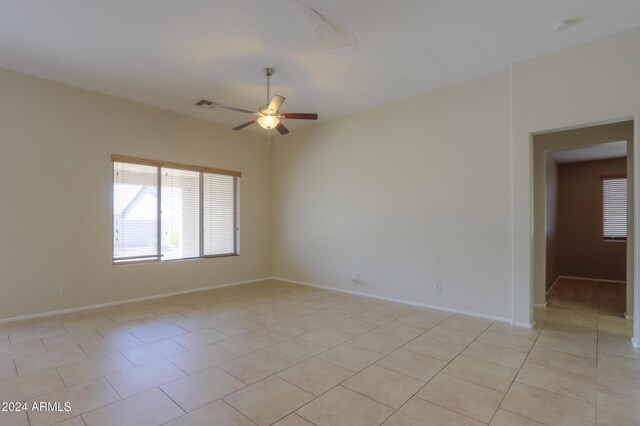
274	105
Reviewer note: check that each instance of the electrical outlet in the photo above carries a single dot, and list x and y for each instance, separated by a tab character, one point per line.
64	290
356	278
438	286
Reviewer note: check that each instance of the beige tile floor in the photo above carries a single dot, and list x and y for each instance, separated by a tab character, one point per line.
284	354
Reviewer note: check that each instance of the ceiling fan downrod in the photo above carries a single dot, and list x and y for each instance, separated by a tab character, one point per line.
268	72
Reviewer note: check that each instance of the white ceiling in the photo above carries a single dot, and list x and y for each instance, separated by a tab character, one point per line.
596	152
170	53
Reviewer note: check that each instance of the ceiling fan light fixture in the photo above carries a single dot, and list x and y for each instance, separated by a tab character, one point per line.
269	115
268	122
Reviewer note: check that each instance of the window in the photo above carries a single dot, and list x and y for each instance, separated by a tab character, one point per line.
167	211
614	189
219	213
135	212
180	233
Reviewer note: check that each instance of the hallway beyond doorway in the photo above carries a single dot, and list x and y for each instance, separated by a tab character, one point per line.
602	297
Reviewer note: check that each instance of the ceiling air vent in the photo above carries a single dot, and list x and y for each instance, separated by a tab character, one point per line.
207	104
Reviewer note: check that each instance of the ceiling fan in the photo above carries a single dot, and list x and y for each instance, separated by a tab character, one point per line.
269	116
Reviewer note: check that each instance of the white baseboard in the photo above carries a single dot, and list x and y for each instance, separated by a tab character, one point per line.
540	305
121	302
524	324
635	342
628	317
554	283
590	279
391	299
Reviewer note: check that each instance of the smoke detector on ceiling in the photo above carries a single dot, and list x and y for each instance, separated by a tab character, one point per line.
567	23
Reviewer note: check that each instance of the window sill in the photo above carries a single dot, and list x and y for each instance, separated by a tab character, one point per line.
148	261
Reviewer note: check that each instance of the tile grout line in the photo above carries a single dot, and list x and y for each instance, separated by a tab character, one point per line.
517	373
441	370
15	366
234	409
425	383
174	401
340	383
553	368
114	388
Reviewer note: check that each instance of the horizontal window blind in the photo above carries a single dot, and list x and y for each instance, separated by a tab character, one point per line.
180	211
219	215
165	213
135	212
615	208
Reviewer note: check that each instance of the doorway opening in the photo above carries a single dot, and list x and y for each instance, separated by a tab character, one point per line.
583	197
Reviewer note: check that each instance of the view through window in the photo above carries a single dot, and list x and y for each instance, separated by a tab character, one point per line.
167	213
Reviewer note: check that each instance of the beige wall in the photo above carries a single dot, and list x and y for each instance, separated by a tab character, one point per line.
582	251
407	195
544	143
414	192
589	83
551	221
55	183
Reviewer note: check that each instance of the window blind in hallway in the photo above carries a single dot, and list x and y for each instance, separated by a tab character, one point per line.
615	208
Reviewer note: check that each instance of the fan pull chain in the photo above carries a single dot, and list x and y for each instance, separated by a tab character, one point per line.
268	141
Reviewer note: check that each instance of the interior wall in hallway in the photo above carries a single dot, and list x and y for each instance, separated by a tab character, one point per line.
581	250
551	196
